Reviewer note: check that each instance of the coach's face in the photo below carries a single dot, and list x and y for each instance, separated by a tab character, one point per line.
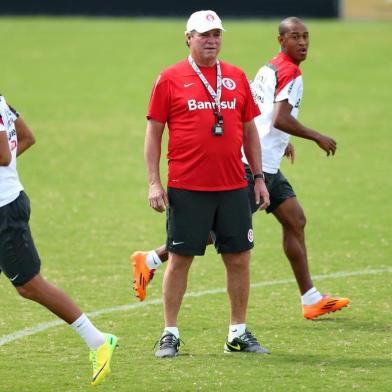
295	42
205	47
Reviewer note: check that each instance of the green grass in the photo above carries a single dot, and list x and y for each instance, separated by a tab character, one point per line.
83	85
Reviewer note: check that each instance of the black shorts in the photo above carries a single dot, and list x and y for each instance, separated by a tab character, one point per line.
192	215
278	187
19	258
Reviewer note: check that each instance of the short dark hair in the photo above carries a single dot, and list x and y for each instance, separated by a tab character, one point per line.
285	23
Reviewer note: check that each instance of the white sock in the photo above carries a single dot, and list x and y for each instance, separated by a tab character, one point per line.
153	261
311	297
236	330
91	335
173	330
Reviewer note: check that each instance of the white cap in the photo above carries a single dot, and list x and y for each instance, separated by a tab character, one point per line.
202	21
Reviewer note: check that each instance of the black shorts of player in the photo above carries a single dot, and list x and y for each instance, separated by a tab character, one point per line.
278	187
191	216
19	258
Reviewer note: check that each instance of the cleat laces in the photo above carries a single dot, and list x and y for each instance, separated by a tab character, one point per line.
93	359
248	338
168	341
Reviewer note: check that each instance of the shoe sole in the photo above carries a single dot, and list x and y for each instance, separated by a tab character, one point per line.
167	356
243	352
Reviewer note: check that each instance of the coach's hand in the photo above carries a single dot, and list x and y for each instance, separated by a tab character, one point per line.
157	197
261	194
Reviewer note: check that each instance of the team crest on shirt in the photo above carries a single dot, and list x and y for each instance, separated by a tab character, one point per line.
229	83
250	235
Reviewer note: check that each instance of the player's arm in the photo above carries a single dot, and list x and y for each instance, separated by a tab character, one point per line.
252	151
25	136
157	196
5	152
283	120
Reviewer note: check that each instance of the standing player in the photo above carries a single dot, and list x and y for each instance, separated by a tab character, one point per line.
19	259
278	91
209	109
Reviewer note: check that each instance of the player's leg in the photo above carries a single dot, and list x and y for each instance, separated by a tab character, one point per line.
40	290
20	262
289	213
285	207
144	265
101	345
291	216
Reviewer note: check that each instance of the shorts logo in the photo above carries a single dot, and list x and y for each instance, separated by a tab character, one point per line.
250	235
12	279
177	243
229	83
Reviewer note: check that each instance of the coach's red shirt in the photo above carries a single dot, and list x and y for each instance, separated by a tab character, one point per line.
198	160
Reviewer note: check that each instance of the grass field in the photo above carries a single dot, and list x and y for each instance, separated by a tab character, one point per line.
83	86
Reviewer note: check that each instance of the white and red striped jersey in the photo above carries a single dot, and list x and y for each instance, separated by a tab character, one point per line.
10	186
278	80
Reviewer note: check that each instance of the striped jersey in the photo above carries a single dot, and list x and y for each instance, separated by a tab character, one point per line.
278	80
10	186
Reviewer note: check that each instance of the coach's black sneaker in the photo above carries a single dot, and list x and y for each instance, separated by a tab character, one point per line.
246	343
168	346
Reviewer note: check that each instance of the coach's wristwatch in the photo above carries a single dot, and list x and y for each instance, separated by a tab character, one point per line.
259	175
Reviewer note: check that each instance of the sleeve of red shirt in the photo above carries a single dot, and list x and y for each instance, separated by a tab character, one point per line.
251	109
158	108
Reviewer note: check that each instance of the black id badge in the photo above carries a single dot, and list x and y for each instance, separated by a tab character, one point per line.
217	129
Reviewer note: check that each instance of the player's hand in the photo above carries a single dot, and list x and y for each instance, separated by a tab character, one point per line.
157	198
289	152
261	194
327	144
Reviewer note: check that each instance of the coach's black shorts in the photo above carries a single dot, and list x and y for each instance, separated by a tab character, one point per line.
191	216
278	187
19	258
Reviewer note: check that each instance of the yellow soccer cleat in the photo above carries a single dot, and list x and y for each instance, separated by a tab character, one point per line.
101	358
141	274
326	305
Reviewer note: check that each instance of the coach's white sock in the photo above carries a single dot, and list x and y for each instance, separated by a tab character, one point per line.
236	330
172	330
153	261
311	297
91	335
